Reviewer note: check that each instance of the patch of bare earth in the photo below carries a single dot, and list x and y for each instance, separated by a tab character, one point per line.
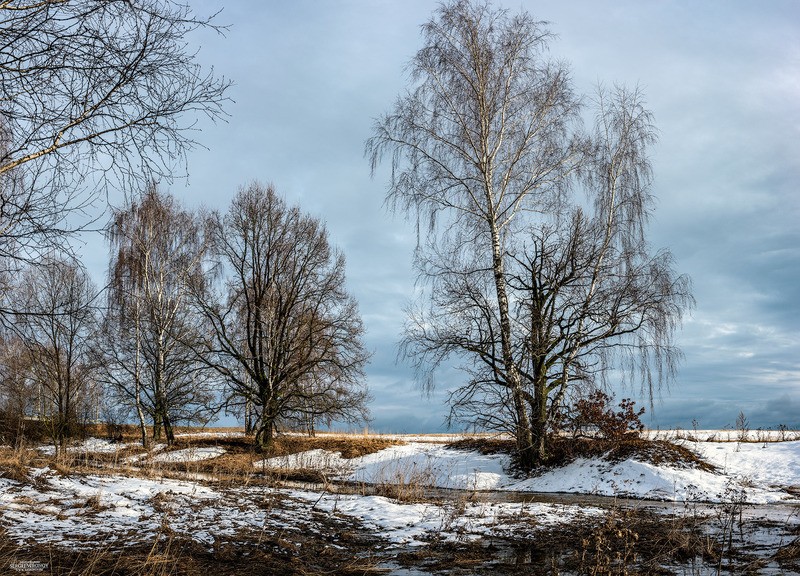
339	551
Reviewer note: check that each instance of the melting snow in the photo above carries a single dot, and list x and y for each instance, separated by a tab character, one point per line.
189	454
761	472
80	510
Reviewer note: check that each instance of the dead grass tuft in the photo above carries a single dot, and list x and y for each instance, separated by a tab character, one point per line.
14	464
788	556
308	475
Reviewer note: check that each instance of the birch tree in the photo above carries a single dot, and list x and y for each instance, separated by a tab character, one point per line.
151	328
488	153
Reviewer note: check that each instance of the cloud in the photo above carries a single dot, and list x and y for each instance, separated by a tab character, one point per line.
721	80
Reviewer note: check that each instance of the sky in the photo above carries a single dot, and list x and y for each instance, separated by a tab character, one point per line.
722	78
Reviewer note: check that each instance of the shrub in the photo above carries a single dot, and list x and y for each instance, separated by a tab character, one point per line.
594	413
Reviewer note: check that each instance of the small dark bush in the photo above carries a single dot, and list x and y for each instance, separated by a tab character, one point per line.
595	413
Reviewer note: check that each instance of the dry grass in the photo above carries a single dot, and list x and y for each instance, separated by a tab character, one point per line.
236	465
350	446
788	556
620	542
485	446
238	461
131	432
14	463
407	486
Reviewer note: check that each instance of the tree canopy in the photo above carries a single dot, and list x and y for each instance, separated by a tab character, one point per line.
539	277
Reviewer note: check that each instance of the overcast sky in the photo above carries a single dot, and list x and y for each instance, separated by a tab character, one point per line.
723	80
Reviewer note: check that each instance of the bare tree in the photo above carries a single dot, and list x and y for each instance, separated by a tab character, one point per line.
90	93
150	328
487	148
59	319
287	335
18	392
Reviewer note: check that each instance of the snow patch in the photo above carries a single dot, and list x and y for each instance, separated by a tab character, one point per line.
189	454
760	473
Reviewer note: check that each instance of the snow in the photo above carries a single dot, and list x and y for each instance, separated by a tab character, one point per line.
419	463
759	472
70	509
194	454
414	524
430	465
90	445
322	460
100	446
763	471
758	435
79	511
772	464
84	509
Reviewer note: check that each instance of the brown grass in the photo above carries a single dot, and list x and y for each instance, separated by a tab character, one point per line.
485	446
14	464
237	464
350	446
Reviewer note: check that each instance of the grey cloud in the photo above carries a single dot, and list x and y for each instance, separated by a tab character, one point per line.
721	79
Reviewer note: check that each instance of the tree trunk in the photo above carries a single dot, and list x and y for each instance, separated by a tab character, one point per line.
525	452
248	417
539	422
140	415
310	427
161	415
137	378
168	430
264	435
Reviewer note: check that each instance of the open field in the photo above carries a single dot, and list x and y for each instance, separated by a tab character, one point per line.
381	504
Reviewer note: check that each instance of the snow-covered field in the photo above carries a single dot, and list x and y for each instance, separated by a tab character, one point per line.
82	510
760	472
484	499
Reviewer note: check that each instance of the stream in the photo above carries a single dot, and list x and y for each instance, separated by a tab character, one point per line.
755	532
751	534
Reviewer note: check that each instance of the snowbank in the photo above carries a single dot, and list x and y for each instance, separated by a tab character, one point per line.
416	524
90	445
189	454
757	473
